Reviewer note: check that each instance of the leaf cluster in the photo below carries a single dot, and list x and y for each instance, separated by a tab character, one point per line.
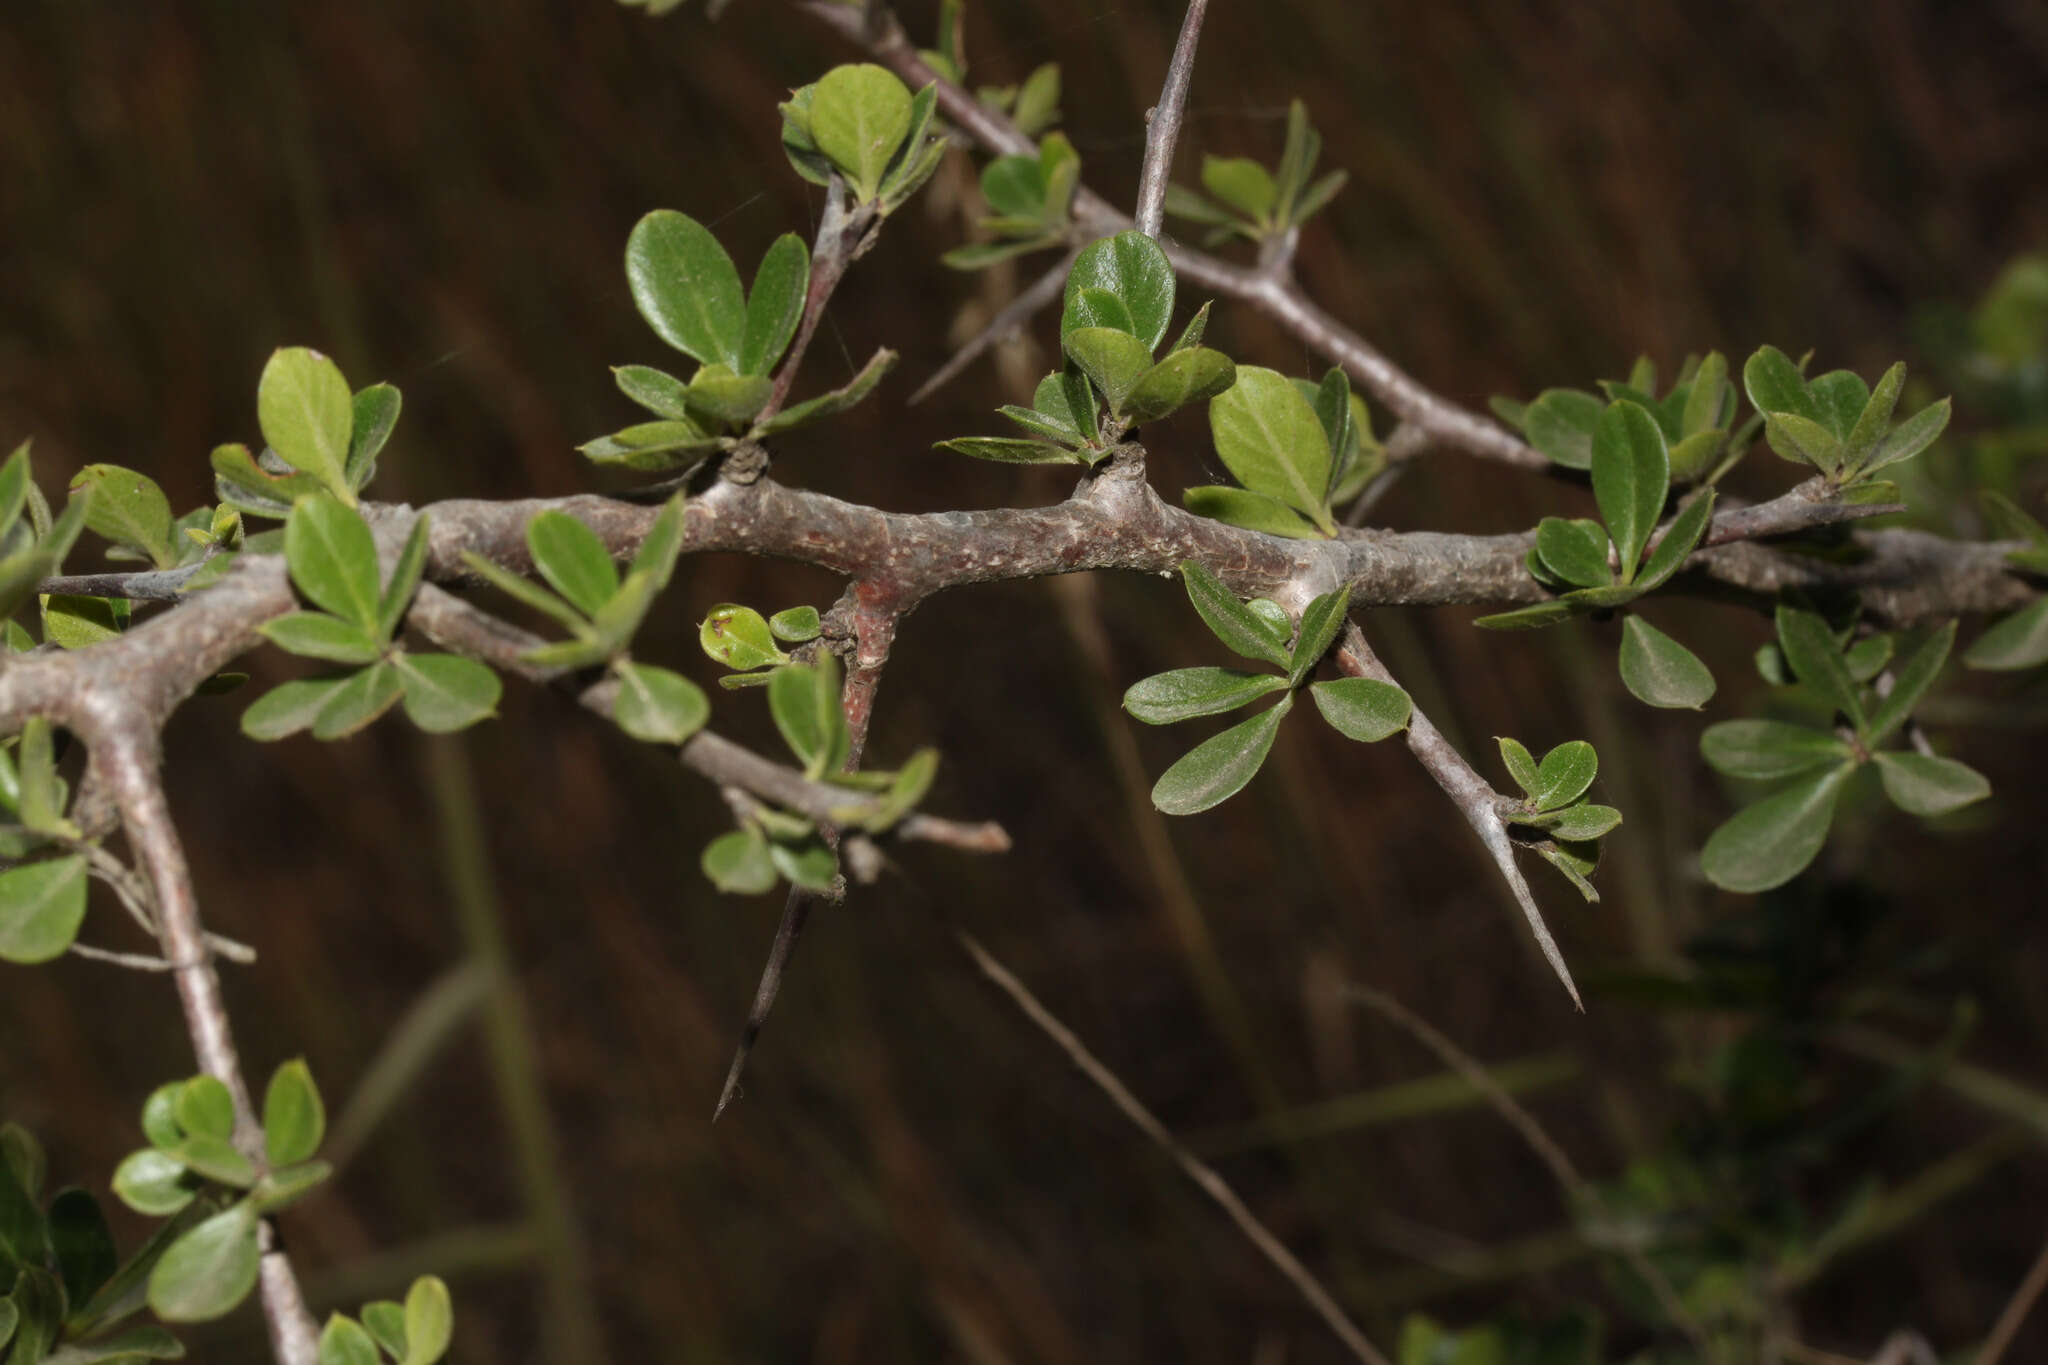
1771	841
66	1288
1695	417
2020	639
1118	304
416	1332
1246	200
742	639
1554	805
354	621
602	612
1218	768
321	439
32	542
1299	450
216	1196
1836	423
1030	200
42	903
862	124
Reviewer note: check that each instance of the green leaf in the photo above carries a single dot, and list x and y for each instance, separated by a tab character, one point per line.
385	1321
1922	784
1113	360
1910	681
160	1116
289	707
1192	334
1678	541
1841	396
738	863
1560	423
1229	619
1874	420
1253	511
24	1237
1218	768
1575	551
1659	670
657	706
1015	186
130	509
1706	398
775	304
1273	617
1867	657
333	559
80	622
1100	308
1042	424
1271	441
1768	844
1184	693
1579	823
1803	441
804	700
1010	450
796	624
1184	377
859	116
316	635
41	907
215	1158
655	560
1910	437
1817	660
910	786
1631	474
809	863
241	482
344	1342
404	581
1363	709
38	1304
1321	619
204	1108
287	1185
572	559
2018	641
154	1183
1241	183
362	697
1064	394
1133	268
1774	384
294	1119
659	392
1766	750
718	397
307	415
14	485
833	403
429	1321
738	637
123	1348
82	1244
1521	764
1575	861
374	412
41	791
685	285
1532	617
652	447
1563	775
209	1270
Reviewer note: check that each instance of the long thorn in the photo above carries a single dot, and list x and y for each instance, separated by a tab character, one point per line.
1043	291
795	911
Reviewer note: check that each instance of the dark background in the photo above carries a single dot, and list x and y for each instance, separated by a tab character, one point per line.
438	194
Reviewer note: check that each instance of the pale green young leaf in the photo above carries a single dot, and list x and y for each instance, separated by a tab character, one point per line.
859	116
205	1109
42	906
1874	420
1767	844
1706	401
525	592
1270	439
657	706
344	1342
572	559
385	1320
659	392
1184	693
1228	618
404	581
1579	823
290	707
1923	784
796	624
79	622
804	701
2018	641
1563	775
1533	617
294	1116
719	398
1677	542
1220	766
1241	183
307	415
1659	670
1910	437
209	1271
1520	763
1192	334
1321	619
686	287
316	635
1560	423
129	509
1113	360
154	1183
653	447
1099	308
333	559
1363	709
738	863
241	482
446	692
1766	750
738	637
1774	384
362	697
1186	376
429	1321
808	863
830	404
374	412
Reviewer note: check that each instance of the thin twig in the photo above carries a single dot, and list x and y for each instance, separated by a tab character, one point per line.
1042	293
2016	1310
1200	1172
1163	129
843	234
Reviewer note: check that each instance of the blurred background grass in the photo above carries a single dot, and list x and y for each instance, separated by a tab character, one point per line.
438	194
